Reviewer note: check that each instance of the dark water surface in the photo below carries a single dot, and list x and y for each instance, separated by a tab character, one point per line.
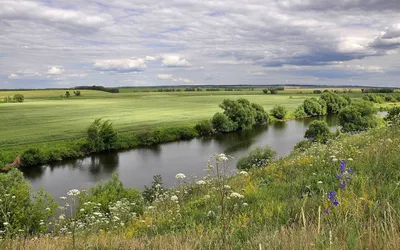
136	167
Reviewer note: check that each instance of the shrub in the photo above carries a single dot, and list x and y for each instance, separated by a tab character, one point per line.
240	112
221	123
312	107
334	102
204	127
299	112
317	91
258	157
393	116
20	212
101	136
18	98
303	145
359	116
318	131
279	112
390	98
32	157
151	193
261	116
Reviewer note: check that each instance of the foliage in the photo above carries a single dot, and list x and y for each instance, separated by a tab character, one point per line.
67	94
318	131
77	93
303	145
312	107
155	190
204	127
161	135
393	116
334	102
221	123
101	136
299	112
100	88
279	112
258	157
32	157
359	116
18	98
21	214
261	116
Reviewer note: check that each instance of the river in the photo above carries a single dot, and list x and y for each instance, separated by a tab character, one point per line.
136	167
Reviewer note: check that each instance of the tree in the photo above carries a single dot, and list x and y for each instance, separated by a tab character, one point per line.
265	91
77	93
279	112
261	116
273	91
239	112
67	94
359	116
318	131
258	157
204	127
18	98
299	112
317	91
221	123
393	116
334	102
101	136
312	107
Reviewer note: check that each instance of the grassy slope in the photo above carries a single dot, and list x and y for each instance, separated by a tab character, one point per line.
285	206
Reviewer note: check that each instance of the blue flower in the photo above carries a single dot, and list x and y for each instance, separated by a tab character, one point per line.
338	176
342	185
335	203
342	166
331	195
326	211
350	170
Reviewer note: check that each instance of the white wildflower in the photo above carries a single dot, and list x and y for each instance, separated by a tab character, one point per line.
82	210
73	192
48	209
13	197
207	196
334	159
62	217
222	157
200	182
5	223
227	187
211	213
63	198
150	208
245	204
174	198
243	173
350	159
180	176
236	195
319	182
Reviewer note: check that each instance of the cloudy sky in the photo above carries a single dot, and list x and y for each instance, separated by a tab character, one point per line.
64	43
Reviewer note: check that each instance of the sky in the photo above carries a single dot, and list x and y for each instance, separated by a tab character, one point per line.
66	43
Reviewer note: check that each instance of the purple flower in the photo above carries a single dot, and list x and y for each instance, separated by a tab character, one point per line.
338	176
351	171
342	166
342	185
326	211
331	195
335	203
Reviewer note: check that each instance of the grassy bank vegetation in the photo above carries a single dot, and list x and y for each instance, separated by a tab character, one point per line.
338	194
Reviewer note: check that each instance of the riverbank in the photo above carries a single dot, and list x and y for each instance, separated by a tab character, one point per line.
339	195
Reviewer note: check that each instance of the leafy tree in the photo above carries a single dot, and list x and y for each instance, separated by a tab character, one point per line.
240	112
393	116
204	127
101	136
261	116
258	157
265	91
317	91
359	116
221	123
273	91
390	98
312	107
77	93
334	102
318	131
279	112
18	98
67	94
299	112
32	157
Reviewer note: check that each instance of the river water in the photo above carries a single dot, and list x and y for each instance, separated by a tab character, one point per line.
136	167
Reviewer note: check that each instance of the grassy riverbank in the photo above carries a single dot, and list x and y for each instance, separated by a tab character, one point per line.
48	121
286	205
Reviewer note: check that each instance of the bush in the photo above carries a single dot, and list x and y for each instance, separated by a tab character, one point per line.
334	102
393	116
261	117
390	98
279	112
221	123
317	91
299	112
18	210
302	145
204	127
359	116
101	136
18	98
258	157
312	107
318	131
32	157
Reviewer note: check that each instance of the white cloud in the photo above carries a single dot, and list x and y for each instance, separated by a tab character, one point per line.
13	76
150	58
175	79
55	71
120	65
174	61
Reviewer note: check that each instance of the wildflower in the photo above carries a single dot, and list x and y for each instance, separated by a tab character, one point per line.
227	187
82	210
200	182
236	195
331	195
334	159
389	140
335	203
63	198
207	196
326	211
20	230
174	198
73	192
150	208
319	182
350	159
243	173
13	197
62	217
5	223
342	185
245	204
350	170
180	176
342	166
211	213
222	157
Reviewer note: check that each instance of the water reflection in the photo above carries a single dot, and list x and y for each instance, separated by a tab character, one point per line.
136	167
